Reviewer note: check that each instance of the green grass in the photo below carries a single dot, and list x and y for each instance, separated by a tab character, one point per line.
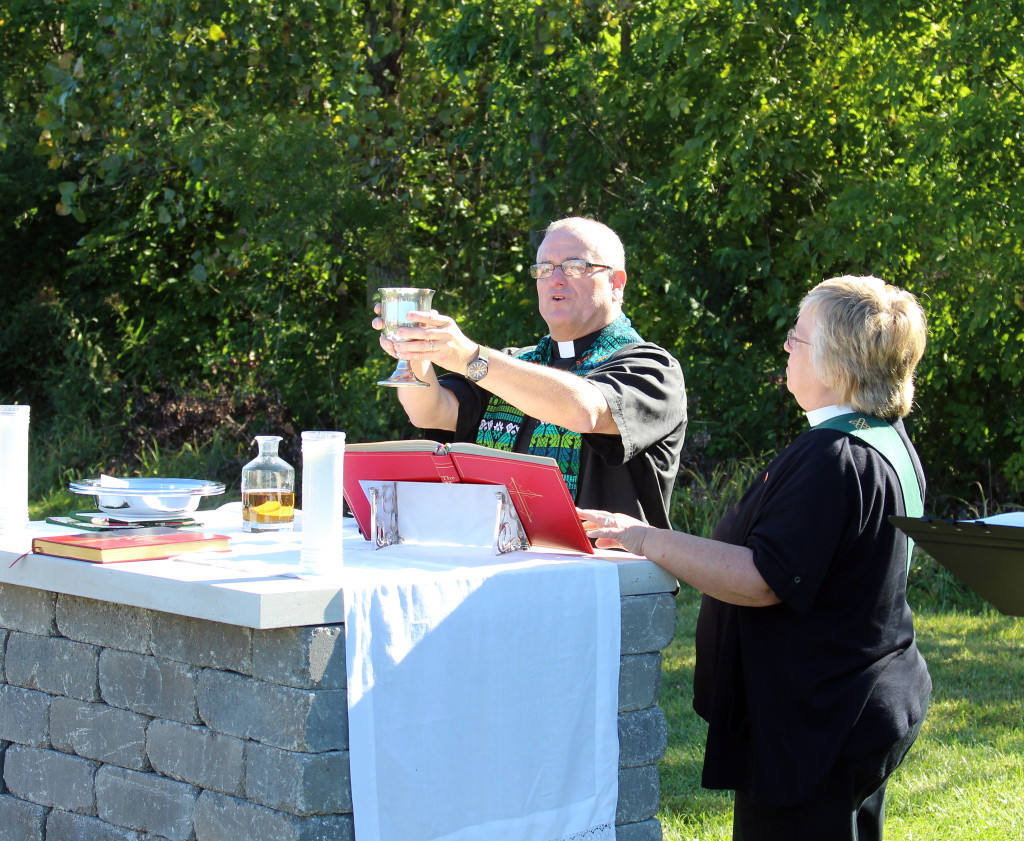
699	500
687	810
963	778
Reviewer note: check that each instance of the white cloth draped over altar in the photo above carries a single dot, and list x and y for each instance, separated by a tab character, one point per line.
482	697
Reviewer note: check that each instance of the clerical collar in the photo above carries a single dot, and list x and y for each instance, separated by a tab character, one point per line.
576	347
816	416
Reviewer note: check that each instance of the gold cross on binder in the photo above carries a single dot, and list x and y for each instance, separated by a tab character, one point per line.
522	495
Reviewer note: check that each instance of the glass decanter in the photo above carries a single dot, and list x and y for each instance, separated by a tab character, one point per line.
268	489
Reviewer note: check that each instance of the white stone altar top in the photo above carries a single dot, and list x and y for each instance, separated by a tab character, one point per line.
261	582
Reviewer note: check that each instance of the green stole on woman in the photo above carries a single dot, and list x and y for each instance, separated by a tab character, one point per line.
881	435
501	421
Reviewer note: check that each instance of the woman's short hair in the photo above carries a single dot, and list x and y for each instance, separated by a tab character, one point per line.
601	239
868	338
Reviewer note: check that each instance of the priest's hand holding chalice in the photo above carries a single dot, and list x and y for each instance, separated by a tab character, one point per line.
396	302
424	342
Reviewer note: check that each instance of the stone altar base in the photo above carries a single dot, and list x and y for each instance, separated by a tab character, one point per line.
120	723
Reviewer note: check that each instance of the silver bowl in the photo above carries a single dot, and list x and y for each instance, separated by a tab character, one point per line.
147	497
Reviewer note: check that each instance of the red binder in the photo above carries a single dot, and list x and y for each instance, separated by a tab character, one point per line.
534	483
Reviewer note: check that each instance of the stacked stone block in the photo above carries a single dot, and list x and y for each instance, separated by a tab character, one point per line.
124	724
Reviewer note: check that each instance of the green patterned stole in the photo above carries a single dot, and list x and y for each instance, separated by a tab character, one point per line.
502	422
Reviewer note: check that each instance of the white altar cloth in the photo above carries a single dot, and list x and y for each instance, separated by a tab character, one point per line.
482	696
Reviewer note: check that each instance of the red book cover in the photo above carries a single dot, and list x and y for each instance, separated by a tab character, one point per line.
538	491
102	549
534	483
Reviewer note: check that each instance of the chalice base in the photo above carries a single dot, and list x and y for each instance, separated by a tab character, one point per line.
403	377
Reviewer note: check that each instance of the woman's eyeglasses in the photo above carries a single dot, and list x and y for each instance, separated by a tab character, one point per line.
792	338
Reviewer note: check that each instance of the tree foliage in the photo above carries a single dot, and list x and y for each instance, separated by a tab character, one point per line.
199	195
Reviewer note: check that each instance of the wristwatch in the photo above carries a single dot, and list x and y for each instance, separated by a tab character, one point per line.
477	369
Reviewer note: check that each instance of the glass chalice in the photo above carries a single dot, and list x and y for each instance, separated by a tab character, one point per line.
396	302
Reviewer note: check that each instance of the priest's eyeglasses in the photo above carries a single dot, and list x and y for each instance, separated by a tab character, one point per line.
570	268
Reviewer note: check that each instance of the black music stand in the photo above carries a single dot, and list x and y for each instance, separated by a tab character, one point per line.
987	557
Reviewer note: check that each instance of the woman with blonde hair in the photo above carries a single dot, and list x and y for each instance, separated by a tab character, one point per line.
808	671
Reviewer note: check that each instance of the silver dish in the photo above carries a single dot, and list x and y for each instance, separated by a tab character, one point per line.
147	497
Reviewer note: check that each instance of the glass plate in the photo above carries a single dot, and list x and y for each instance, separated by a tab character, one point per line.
147	497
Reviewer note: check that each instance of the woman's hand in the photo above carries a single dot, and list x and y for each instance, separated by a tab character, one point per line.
722	570
614	531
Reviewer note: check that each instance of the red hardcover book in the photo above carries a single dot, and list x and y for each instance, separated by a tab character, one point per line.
534	483
103	549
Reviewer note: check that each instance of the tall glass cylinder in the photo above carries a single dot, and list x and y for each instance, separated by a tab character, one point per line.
323	500
268	489
14	467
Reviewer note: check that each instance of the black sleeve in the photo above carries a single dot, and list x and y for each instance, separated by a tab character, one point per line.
644	387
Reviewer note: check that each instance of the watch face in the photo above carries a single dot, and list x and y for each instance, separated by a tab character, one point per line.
477	369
